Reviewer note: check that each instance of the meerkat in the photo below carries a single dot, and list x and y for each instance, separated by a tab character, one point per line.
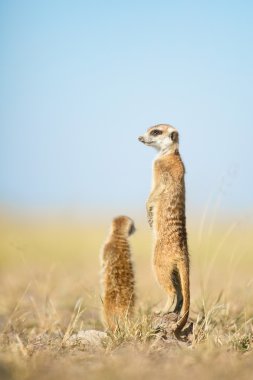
118	283
166	216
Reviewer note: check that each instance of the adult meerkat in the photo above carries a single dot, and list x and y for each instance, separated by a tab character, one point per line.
166	215
118	276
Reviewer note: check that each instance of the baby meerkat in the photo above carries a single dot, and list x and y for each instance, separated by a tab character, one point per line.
118	276
166	215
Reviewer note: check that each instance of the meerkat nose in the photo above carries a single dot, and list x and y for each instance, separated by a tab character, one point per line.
141	139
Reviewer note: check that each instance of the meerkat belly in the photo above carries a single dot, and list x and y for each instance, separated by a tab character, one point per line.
170	231
169	211
162	256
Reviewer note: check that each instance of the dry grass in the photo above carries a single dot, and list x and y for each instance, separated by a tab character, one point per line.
50	290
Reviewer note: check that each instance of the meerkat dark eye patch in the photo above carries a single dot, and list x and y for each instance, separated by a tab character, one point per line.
156	132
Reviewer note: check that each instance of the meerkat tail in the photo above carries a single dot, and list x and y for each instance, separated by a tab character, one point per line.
185	286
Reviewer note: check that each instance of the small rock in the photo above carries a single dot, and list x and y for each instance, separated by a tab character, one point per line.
164	326
92	340
165	323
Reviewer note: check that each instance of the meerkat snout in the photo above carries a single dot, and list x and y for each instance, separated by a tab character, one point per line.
141	139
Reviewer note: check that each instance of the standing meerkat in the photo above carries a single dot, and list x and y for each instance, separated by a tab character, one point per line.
118	276
166	215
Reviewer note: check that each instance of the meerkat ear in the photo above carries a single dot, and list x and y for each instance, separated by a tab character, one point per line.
131	229
174	136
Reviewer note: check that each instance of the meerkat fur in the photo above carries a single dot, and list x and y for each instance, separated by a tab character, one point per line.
166	216
118	282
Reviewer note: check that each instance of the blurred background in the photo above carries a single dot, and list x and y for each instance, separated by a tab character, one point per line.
80	81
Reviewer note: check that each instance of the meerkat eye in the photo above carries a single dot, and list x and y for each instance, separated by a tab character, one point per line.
155	132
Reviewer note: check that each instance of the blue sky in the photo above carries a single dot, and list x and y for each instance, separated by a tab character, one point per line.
80	80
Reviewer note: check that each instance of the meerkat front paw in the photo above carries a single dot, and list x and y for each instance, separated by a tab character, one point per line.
150	222
150	216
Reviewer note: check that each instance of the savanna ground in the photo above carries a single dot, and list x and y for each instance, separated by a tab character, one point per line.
50	289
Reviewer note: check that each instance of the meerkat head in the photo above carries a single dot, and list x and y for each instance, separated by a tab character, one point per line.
163	137
124	225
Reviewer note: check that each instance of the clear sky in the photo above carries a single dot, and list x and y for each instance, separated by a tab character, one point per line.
80	80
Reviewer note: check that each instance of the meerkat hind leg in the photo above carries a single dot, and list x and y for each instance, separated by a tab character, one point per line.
177	283
173	288
169	304
169	285
177	294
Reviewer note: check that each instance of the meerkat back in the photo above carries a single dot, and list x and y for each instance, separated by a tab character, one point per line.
118	283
